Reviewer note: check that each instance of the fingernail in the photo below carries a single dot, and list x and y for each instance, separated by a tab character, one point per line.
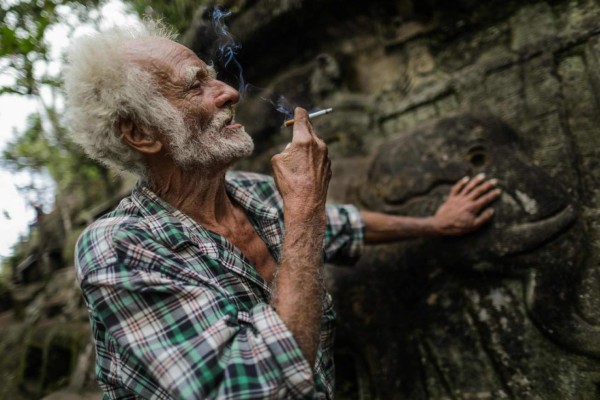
494	181
480	175
465	179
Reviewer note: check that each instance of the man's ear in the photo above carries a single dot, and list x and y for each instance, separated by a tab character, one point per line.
139	137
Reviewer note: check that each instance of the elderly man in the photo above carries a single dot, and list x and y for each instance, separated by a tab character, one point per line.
206	283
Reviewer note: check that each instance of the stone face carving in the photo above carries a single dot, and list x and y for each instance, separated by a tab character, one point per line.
413	174
495	314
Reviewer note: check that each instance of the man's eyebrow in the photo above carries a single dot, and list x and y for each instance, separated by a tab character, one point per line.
212	72
193	74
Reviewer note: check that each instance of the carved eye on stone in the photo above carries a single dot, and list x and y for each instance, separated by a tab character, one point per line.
477	156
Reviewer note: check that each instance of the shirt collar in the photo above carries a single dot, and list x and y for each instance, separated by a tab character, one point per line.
161	218
264	218
249	202
159	214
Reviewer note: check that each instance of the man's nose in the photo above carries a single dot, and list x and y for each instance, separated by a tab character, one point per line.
226	95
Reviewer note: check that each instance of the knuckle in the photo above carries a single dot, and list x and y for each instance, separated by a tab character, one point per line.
323	147
303	141
277	159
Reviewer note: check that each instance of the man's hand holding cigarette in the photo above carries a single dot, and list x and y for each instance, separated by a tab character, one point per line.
302	171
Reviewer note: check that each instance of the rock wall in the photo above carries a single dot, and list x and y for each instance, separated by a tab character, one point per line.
425	93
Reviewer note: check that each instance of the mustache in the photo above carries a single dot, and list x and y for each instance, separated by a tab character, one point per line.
218	120
223	117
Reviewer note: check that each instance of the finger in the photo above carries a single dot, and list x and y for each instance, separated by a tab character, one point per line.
322	146
487	198
302	129
275	160
458	186
473	183
283	153
484	217
483	188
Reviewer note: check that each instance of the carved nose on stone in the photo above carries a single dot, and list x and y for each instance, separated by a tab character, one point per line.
530	235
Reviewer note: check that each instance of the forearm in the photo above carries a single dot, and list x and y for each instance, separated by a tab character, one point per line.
384	228
298	287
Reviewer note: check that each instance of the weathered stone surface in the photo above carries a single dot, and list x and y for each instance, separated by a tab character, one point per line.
532	25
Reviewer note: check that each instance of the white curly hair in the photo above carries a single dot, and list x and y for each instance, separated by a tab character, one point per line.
102	86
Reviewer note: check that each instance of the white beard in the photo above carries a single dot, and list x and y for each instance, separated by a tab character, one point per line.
213	146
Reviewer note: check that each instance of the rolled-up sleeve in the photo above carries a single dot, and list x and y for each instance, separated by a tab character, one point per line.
182	341
344	235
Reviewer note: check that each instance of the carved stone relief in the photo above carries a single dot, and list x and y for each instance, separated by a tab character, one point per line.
494	314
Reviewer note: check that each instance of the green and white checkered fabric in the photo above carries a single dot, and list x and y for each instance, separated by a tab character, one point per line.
178	312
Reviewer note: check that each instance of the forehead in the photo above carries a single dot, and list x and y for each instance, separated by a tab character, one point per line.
165	58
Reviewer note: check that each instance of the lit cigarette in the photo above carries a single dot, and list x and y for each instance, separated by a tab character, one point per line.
290	122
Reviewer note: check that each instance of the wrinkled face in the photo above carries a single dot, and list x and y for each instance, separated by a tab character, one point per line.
203	132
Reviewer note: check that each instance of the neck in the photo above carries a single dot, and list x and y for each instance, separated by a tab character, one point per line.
199	193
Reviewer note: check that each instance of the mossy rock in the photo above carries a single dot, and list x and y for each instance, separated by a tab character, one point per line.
50	356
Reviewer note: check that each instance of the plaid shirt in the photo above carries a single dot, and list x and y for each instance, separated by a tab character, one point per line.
179	312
